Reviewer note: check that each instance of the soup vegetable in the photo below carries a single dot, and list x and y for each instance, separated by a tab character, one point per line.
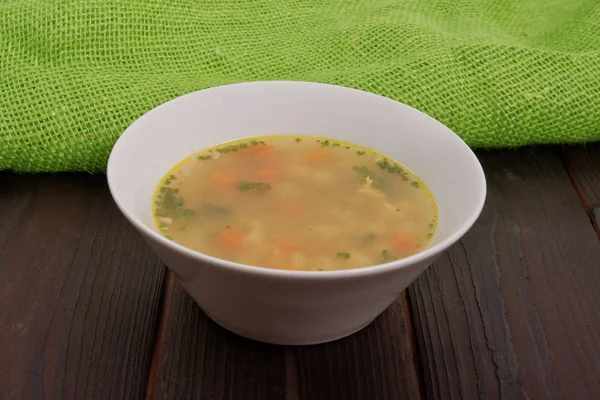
295	203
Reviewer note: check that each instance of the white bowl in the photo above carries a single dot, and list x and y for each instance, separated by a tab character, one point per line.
294	307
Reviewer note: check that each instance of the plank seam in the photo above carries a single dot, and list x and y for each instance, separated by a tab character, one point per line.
158	352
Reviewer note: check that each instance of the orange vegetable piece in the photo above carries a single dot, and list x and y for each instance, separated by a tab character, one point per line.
404	242
268	175
261	151
287	246
232	238
292	210
318	157
224	178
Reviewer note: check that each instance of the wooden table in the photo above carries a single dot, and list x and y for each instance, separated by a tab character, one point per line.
512	311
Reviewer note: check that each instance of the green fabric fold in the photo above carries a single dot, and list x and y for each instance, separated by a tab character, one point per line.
75	74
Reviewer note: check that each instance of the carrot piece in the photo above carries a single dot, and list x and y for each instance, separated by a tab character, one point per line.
404	242
232	238
261	151
268	175
292	210
224	178
287	246
318	156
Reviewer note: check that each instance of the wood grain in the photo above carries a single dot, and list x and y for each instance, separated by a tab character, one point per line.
79	292
512	310
203	361
378	362
583	164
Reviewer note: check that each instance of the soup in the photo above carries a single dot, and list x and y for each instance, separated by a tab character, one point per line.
295	203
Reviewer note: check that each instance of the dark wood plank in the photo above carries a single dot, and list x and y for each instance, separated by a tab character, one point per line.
378	362
583	164
200	360
512	310
161	337
203	361
79	292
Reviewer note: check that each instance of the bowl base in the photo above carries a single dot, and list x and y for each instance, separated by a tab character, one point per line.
286	341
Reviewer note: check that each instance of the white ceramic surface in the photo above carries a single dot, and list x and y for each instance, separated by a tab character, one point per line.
294	307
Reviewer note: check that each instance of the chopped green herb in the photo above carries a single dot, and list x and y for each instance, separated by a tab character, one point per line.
360	152
347	147
415	184
228	227
233	147
182	213
167	201
320	269
243	185
362	171
172	177
183	227
387	257
163	225
298	140
227	149
336	145
253	142
210	210
167	182
262	142
204	157
369	238
168	237
323	142
383	163
344	255
256	187
379	184
392	168
431	225
429	235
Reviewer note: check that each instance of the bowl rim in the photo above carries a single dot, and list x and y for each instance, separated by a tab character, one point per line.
429	252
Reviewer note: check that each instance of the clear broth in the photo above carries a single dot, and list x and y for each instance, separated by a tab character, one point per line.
295	203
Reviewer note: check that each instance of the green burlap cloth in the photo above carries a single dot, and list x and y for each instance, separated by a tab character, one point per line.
500	73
